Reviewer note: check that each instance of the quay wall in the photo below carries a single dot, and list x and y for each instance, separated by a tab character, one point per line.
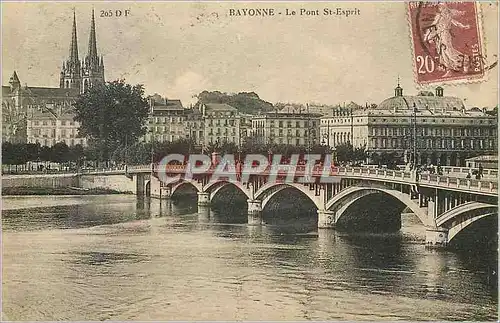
118	183
47	181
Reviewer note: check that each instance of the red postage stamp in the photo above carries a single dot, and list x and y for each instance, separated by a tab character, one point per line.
447	44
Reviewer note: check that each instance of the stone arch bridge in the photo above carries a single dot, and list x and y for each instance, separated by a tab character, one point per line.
445	205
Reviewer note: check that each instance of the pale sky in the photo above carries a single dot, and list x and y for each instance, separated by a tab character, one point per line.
178	49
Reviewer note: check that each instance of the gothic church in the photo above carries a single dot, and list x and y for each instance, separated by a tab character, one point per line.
45	114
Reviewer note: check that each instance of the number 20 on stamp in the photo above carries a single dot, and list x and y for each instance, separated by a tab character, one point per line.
446	41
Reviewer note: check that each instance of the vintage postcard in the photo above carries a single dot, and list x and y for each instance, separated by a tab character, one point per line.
249	161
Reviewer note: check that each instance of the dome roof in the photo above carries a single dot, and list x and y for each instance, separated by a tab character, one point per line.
421	102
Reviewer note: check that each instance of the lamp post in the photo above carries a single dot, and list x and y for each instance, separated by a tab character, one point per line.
126	149
152	148
414	135
308	130
413	124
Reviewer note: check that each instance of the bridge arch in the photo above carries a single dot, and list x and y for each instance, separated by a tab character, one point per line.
214	187
460	217
147	188
268	190
193	183
347	197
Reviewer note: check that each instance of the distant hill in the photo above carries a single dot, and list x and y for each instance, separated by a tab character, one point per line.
245	102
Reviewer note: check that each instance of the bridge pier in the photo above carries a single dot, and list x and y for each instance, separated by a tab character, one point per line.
140	181
326	219
158	191
254	212
203	214
203	198
436	238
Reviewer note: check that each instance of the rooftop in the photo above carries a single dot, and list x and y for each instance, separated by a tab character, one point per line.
43	92
421	102
49	113
219	107
169	105
285	114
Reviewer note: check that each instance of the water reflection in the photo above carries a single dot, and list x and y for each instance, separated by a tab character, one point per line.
204	214
129	259
106	258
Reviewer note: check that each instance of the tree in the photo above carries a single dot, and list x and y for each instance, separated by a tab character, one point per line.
7	153
111	114
244	102
45	154
360	154
493	112
344	152
76	153
60	152
33	151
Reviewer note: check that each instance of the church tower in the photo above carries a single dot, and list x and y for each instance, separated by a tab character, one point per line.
70	73
92	67
14	82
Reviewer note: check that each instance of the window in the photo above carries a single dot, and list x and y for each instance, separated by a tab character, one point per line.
63	122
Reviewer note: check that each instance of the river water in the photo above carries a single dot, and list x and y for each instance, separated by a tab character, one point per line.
118	258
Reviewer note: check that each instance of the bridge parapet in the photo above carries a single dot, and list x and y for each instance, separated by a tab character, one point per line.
456	171
483	185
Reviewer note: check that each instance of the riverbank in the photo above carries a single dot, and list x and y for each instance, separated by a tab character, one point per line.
24	190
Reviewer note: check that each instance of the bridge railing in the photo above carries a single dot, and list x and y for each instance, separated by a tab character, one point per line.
451	170
482	185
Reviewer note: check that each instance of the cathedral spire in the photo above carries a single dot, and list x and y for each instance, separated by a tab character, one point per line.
14	82
92	52
70	73
73	50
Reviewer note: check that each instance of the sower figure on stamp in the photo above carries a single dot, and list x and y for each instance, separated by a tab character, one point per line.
440	34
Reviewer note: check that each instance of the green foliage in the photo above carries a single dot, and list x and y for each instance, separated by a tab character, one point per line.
347	153
76	153
17	154
493	112
112	114
390	159
60	152
245	102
